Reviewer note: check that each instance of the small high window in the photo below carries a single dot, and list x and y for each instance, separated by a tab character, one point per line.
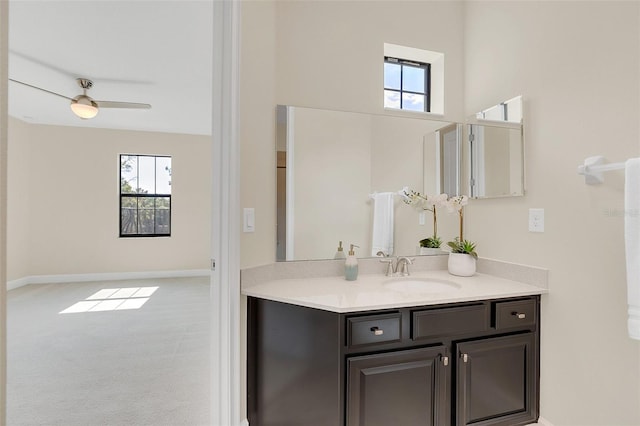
413	79
145	196
407	85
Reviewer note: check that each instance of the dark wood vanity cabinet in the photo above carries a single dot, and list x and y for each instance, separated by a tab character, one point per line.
404	387
470	363
497	381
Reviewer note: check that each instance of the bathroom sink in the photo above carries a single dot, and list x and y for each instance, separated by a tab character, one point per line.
420	285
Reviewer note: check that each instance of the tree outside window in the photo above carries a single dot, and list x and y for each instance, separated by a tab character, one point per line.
145	195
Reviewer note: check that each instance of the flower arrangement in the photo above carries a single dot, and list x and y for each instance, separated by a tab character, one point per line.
452	204
430	203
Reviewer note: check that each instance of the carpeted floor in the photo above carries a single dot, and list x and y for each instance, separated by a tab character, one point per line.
114	364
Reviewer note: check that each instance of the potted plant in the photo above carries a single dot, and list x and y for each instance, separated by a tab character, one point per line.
432	244
463	256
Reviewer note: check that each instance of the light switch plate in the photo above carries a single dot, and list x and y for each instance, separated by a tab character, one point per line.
536	220
249	219
421	218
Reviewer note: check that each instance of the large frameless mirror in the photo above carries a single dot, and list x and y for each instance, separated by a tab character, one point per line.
331	163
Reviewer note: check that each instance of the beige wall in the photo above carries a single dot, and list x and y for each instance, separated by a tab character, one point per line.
576	64
257	130
329	53
64	215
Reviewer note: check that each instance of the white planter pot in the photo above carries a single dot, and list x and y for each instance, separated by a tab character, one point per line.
462	264
429	251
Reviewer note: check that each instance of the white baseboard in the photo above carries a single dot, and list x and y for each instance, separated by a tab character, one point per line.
104	276
17	283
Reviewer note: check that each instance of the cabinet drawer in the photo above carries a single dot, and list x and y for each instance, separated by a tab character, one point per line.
515	314
445	322
367	330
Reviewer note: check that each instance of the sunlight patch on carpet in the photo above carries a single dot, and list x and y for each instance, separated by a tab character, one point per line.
113	299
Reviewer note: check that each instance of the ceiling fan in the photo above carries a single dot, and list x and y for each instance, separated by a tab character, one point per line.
83	105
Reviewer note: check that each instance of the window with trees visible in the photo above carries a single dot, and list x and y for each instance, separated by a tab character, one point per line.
407	85
145	196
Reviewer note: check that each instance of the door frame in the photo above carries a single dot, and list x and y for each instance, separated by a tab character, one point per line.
225	239
4	144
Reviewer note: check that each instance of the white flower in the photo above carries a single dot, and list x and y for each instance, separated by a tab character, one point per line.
415	199
438	200
456	203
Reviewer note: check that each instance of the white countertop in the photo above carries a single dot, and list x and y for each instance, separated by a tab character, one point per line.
371	292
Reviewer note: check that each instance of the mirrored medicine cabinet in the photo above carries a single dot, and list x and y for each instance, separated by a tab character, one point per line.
330	162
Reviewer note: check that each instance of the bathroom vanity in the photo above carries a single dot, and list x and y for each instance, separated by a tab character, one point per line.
321	356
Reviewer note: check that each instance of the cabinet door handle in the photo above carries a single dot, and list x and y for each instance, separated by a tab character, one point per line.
519	315
465	357
377	331
445	360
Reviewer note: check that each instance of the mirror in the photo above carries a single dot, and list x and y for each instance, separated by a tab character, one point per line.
442	160
330	163
494	151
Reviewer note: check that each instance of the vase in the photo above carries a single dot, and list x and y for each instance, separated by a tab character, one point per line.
462	264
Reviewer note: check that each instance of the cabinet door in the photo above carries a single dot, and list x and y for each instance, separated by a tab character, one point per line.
402	388
497	381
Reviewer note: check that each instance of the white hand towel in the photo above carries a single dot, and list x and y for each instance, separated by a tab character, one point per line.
632	243
382	223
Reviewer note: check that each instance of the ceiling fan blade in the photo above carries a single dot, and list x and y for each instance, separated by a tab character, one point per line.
40	88
112	104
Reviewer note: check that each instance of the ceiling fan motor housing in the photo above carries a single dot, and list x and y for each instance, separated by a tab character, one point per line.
85	83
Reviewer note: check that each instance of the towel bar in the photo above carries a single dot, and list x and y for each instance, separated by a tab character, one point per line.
593	167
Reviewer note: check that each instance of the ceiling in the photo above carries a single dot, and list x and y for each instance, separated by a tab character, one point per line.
157	52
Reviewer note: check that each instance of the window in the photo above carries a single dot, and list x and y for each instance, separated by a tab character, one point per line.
407	84
433	91
145	196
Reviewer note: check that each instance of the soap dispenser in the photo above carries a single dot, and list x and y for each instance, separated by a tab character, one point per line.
340	253
351	265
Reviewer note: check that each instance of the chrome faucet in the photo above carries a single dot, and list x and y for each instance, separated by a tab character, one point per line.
402	266
397	266
390	265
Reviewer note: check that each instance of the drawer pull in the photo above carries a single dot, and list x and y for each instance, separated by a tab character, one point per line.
519	315
377	331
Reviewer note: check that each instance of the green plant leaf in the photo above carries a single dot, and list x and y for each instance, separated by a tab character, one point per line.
465	246
431	242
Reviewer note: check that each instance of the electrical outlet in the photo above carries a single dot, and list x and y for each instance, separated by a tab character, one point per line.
536	220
